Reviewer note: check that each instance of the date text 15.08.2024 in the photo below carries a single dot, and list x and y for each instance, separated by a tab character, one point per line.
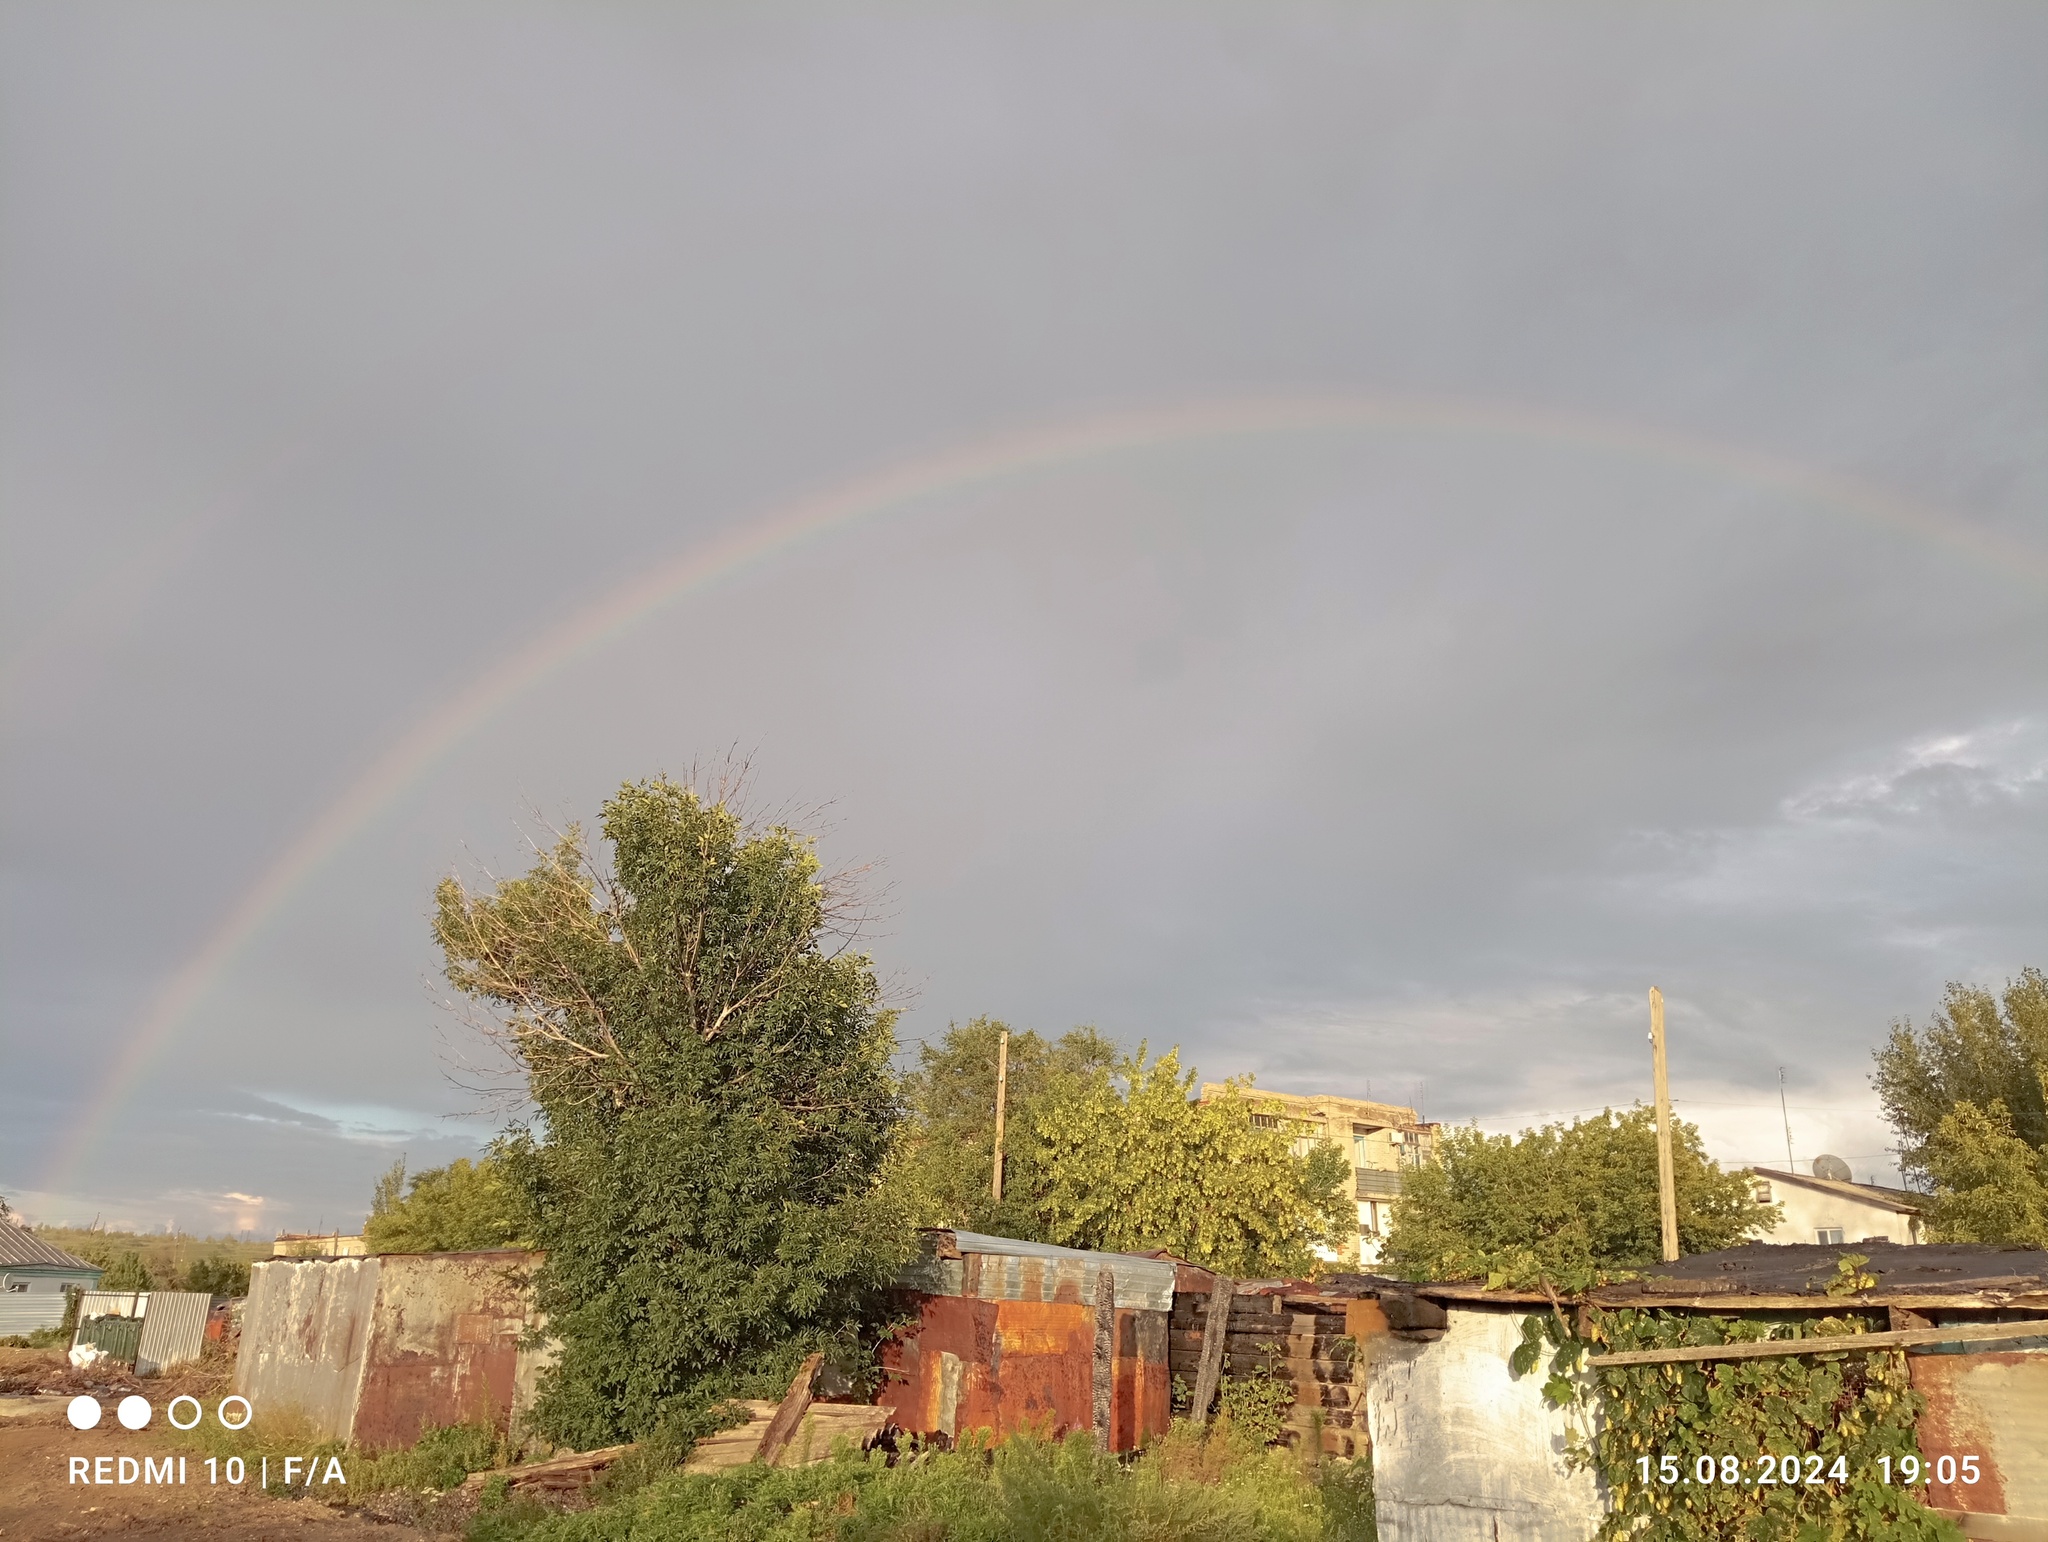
1807	1470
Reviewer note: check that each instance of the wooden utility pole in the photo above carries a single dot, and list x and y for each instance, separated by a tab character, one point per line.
1667	1193
1002	1097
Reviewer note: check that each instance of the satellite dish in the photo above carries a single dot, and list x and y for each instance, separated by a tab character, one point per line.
1832	1167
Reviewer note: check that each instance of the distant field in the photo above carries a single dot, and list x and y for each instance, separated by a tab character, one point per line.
167	1254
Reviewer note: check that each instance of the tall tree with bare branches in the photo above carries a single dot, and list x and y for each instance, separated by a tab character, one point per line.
710	1063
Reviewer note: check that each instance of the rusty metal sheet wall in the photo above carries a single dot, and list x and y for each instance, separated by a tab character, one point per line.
1141	1404
443	1344
1995	1407
304	1333
173	1329
1005	1366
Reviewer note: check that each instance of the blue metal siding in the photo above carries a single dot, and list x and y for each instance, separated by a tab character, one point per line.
42	1304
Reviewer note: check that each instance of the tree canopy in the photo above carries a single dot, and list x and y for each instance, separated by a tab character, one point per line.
459	1208
1978	1049
1989	1185
1567	1203
715	1104
947	1158
1131	1163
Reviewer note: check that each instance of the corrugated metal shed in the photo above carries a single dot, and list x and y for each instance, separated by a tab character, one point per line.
1005	1269
1013	1335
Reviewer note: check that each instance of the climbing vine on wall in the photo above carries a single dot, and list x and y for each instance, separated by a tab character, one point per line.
1790	1449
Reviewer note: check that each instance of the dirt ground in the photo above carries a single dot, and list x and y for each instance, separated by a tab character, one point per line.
38	1500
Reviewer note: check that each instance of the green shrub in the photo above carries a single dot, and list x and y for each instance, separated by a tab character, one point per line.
218	1275
1256	1405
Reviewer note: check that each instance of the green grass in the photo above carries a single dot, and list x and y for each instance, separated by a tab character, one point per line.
1187	1487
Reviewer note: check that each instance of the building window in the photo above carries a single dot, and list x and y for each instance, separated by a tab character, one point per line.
1265	1121
1830	1236
20	1285
1760	1191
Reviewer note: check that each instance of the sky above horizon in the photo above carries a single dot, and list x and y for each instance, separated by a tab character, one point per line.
1353	540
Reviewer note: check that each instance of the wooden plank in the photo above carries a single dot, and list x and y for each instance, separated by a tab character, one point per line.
1105	1356
1214	1337
1769	1349
825	1423
572	1471
791	1413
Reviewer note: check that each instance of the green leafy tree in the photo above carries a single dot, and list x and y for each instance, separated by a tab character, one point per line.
1989	1185
1568	1203
218	1275
945	1162
459	1208
715	1106
1133	1163
128	1272
1978	1049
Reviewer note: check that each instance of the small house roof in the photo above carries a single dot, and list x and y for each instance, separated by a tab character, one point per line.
21	1248
1904	1200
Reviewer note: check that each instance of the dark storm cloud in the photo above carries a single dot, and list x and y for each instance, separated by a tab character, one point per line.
346	348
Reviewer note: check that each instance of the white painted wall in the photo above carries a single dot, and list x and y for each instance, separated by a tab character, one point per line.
1808	1211
1462	1451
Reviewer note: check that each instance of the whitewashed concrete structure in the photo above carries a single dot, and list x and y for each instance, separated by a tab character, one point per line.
1465	1452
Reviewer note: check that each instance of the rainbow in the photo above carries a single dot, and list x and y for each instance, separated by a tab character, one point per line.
895	490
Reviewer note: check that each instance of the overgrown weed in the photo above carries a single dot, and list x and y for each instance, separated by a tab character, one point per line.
1190	1486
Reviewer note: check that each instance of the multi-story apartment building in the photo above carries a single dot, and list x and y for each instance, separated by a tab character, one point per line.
1383	1140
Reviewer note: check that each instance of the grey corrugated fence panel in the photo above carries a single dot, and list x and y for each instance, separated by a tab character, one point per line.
1012	1270
305	1334
113	1303
173	1329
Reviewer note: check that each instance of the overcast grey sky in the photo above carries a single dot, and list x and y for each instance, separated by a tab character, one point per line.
1669	606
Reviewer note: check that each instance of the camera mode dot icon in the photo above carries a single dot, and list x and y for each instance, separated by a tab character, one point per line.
133	1413
83	1412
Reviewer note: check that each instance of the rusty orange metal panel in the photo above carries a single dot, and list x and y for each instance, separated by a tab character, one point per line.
1993	1408
1141	1398
994	1366
443	1344
1006	1366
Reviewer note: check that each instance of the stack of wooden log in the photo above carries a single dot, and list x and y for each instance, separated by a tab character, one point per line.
812	1439
1311	1341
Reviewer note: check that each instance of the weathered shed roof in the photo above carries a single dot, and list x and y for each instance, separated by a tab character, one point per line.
972	1263
21	1248
1805	1268
1767	1276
